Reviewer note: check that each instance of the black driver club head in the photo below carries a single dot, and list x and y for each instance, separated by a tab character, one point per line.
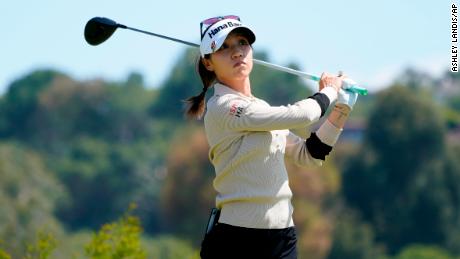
99	29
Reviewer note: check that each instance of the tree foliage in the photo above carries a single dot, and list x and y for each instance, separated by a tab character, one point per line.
423	252
276	87
187	195
77	153
28	196
312	187
118	240
353	239
21	101
42	248
398	181
182	83
170	247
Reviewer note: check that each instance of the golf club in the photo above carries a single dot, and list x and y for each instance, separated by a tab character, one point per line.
99	29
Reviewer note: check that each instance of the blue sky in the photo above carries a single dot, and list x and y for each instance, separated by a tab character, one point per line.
372	41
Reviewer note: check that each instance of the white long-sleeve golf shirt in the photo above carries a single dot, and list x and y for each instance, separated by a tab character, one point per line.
249	140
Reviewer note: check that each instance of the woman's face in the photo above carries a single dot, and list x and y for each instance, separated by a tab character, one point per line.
233	61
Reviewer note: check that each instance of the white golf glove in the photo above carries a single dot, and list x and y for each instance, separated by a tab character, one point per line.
347	97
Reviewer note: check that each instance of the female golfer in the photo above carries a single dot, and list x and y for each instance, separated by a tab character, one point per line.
249	140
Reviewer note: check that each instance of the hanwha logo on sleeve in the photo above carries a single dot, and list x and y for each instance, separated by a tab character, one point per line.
236	110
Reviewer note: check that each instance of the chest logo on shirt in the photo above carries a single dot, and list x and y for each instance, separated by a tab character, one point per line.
235	110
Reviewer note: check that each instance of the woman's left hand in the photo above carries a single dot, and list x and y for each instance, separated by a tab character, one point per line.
330	80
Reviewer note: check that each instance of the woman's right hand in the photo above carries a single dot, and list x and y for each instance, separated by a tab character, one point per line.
330	80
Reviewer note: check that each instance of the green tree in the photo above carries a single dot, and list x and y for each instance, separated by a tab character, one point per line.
103	178
46	109
452	178
118	240
187	194
353	239
423	252
276	87
170	247
182	83
21	101
113	112
28	197
451	96
96	137
312	189
4	255
415	79
397	181
43	247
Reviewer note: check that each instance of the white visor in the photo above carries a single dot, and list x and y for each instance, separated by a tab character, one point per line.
215	35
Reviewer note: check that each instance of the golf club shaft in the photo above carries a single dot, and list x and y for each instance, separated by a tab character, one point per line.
162	36
353	88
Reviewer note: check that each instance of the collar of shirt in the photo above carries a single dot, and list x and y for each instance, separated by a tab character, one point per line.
221	89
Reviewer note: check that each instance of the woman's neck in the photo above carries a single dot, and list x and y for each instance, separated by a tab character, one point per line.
242	86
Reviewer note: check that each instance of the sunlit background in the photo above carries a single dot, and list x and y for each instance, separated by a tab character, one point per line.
98	161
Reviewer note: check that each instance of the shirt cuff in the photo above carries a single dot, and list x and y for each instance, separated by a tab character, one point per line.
328	133
330	92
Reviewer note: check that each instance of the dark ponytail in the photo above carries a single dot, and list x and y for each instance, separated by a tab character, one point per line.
196	104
